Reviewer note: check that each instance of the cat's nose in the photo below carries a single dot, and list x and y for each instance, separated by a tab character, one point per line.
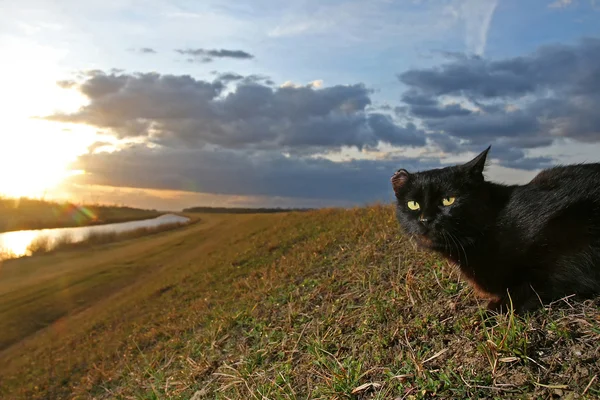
424	220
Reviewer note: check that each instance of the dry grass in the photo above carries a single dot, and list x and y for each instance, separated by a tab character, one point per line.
331	304
24	213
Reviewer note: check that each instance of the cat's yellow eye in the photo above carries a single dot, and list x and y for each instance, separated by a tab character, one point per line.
413	205
448	201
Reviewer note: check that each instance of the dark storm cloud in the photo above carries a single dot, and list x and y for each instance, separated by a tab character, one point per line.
176	111
204	55
393	134
439	112
413	97
571	68
478	126
246	173
445	142
512	156
262	173
529	101
472	77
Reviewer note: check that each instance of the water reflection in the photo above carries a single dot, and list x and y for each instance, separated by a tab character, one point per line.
17	244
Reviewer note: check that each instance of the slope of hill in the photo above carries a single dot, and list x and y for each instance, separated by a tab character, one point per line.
24	213
328	304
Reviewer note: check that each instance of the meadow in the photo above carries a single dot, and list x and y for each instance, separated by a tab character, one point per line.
326	304
25	213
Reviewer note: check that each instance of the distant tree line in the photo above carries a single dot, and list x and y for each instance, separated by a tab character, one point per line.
235	210
25	213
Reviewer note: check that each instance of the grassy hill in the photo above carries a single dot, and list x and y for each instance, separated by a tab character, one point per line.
329	304
24	213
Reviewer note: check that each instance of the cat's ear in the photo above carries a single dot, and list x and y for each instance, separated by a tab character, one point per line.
399	180
476	165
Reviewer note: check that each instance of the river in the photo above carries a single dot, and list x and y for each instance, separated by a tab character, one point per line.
16	244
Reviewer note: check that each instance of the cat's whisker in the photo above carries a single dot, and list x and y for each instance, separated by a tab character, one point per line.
448	246
463	248
454	242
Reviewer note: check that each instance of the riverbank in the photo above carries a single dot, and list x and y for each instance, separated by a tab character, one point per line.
24	213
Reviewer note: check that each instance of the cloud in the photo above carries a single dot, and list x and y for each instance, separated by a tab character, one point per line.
560	4
235	172
316	84
147	50
525	102
551	67
180	111
237	135
240	135
264	173
483	127
477	15
439	111
417	98
66	84
472	77
229	77
204	56
349	21
142	50
98	145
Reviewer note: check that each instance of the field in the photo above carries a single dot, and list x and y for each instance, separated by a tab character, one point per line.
24	213
328	304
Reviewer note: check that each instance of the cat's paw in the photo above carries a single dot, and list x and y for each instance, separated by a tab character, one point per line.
495	305
503	305
498	306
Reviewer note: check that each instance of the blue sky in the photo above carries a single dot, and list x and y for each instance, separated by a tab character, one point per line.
368	87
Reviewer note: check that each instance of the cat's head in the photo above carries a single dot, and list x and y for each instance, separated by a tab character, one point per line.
440	206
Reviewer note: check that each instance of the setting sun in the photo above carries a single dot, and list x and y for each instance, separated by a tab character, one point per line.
37	157
34	153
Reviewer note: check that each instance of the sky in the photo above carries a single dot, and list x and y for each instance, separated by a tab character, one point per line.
171	104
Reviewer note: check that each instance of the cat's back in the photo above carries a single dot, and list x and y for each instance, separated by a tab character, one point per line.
564	198
570	191
572	178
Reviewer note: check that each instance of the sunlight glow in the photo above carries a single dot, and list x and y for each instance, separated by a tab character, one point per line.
16	244
36	157
34	153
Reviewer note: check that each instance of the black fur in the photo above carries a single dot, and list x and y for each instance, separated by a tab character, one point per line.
528	243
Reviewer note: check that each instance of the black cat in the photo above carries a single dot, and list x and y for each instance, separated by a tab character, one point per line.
529	244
